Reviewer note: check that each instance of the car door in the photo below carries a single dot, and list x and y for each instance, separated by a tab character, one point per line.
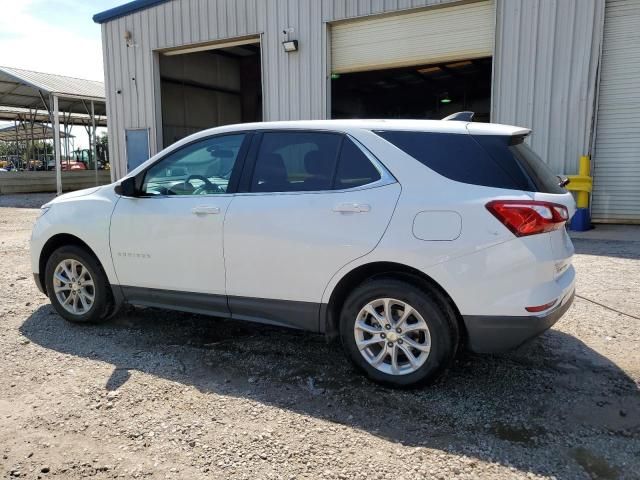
309	203
166	242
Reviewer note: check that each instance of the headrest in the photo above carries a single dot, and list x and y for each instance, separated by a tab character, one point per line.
272	161
316	164
270	168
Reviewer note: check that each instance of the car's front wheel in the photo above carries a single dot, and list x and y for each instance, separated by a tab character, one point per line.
397	333
77	286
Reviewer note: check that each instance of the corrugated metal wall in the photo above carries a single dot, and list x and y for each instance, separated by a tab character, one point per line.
545	69
294	85
544	66
616	161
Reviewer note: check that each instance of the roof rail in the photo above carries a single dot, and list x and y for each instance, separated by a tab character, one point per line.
460	116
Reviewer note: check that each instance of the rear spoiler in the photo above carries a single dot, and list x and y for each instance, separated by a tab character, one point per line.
517	134
461	116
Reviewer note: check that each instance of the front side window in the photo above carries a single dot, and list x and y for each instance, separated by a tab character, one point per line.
310	161
201	168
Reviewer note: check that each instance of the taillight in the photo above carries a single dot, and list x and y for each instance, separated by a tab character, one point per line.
529	217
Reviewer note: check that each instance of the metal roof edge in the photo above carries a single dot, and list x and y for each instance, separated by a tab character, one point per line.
123	10
23	80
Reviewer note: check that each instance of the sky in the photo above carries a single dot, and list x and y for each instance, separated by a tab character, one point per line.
54	36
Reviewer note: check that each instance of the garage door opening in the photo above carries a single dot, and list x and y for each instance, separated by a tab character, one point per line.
430	91
208	88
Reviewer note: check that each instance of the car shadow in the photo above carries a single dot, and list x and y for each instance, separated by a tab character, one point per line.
25	200
627	249
535	409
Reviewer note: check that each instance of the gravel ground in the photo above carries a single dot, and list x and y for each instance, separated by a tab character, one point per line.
156	394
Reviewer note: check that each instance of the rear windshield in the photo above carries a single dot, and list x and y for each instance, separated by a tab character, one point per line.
540	172
512	151
487	160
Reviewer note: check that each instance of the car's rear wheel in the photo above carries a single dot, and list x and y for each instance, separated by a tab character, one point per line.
397	333
77	286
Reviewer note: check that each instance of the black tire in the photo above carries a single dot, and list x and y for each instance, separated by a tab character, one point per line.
433	308
103	299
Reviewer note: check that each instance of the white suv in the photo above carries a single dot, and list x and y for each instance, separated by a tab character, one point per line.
405	238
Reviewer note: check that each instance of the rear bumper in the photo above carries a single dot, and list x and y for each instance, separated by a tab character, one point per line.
493	334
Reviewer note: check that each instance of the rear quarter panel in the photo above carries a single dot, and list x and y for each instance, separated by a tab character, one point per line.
480	267
560	242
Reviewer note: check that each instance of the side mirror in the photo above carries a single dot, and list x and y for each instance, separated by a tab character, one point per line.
127	187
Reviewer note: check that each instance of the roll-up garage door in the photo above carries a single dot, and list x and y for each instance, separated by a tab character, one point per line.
432	35
616	190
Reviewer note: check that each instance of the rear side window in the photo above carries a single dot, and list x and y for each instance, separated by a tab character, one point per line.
310	161
296	161
354	168
458	157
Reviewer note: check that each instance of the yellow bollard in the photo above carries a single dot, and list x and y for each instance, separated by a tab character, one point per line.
584	170
582	183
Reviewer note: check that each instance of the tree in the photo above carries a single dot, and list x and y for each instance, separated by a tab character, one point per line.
102	148
5	149
39	147
103	140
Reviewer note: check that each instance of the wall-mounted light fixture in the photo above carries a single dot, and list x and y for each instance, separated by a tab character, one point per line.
290	45
128	39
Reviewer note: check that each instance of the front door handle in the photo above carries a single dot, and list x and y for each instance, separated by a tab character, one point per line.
352	207
205	210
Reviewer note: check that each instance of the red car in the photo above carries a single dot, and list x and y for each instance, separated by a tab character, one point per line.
73	166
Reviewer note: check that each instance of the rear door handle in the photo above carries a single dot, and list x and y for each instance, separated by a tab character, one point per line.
205	210
352	207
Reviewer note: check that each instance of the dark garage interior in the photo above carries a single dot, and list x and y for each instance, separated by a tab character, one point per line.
430	91
209	88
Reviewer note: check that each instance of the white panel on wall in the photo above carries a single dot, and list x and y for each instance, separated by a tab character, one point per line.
427	36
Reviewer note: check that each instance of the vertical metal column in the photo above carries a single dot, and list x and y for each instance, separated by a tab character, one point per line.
17	163
56	144
93	142
67	132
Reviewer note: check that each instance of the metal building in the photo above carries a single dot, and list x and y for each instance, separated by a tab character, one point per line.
568	69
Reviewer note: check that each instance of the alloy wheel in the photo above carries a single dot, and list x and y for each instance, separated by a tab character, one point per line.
73	286
392	336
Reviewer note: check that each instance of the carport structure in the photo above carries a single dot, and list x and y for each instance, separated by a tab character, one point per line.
26	96
30	132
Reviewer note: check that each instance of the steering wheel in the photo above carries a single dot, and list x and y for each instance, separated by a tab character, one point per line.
208	186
